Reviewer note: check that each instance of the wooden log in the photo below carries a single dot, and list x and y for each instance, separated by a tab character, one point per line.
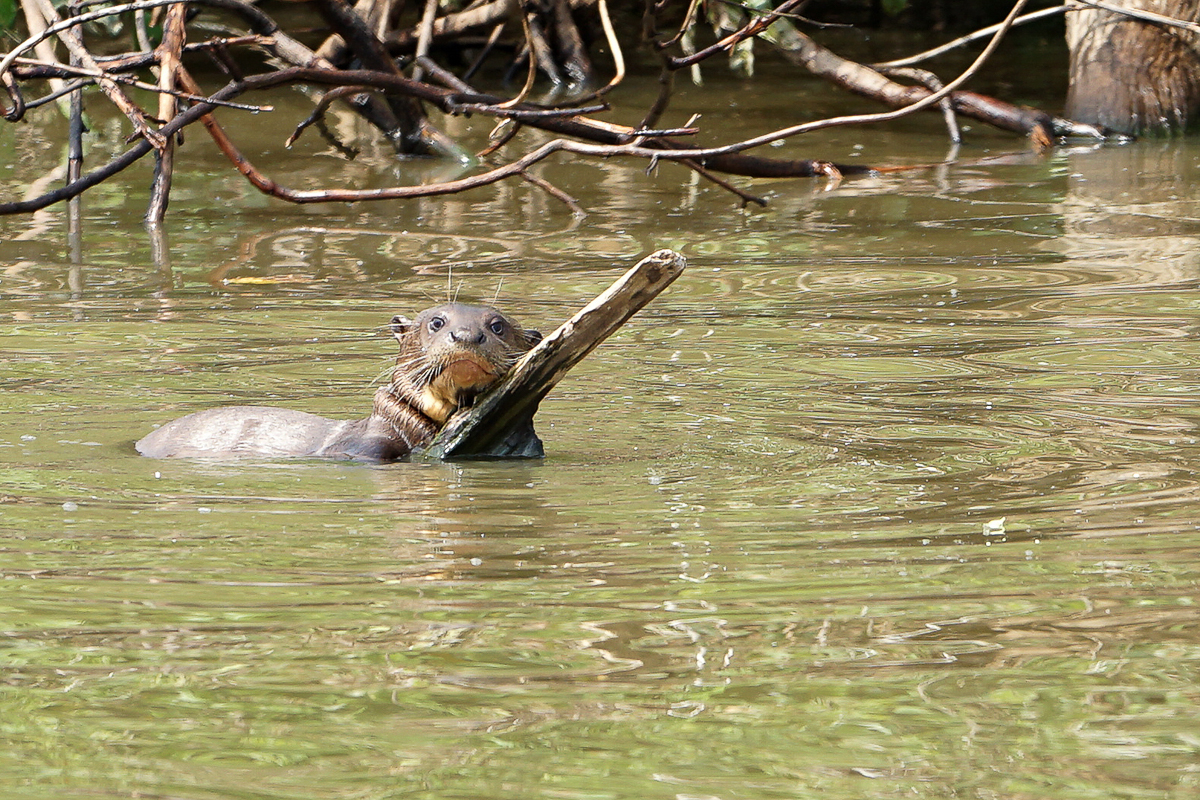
500	424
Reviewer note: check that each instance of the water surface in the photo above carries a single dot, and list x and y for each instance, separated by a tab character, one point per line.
893	494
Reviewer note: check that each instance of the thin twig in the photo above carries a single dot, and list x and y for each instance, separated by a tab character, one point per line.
659	133
70	69
724	184
499	136
224	60
666	86
688	19
555	192
263	24
932	83
258	21
68	88
752	28
962	41
318	113
793	15
858	119
613	45
523	113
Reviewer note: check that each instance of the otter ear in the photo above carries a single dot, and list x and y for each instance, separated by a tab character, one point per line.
401	326
532	337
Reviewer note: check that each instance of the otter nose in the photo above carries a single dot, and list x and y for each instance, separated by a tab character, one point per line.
468	336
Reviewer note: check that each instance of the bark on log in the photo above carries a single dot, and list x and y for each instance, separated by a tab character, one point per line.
500	425
1134	76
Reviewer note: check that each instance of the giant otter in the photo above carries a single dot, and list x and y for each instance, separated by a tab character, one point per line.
449	355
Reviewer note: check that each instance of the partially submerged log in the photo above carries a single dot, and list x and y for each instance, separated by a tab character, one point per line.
500	424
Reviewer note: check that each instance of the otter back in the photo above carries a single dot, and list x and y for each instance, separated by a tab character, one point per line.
234	431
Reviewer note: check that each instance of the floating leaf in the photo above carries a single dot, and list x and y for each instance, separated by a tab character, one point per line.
994	527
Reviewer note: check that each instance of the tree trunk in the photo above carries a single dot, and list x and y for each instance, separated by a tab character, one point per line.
1131	75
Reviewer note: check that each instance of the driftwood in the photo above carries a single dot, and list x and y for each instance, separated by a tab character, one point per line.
500	424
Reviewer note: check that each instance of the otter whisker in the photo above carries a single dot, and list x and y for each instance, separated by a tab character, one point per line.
380	375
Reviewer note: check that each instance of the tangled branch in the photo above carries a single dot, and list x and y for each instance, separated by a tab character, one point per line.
358	66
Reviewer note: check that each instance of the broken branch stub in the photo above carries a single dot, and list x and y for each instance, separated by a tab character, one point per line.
500	424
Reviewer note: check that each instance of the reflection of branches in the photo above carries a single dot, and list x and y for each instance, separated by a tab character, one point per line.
395	103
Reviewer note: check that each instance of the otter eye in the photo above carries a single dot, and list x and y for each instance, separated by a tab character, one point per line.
497	327
437	323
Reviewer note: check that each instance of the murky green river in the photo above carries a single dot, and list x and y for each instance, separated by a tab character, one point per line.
893	494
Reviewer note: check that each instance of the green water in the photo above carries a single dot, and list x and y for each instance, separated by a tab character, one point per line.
893	494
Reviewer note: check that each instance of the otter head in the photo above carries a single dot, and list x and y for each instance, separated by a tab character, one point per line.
452	353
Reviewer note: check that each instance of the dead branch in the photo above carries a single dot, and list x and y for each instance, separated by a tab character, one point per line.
28	68
552	190
614	46
570	49
394	103
169	54
871	83
317	117
426	33
414	132
74	44
475	17
753	28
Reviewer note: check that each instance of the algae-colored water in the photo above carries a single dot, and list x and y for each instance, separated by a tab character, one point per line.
893	494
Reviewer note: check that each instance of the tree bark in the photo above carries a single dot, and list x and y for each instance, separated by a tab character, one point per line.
1134	76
